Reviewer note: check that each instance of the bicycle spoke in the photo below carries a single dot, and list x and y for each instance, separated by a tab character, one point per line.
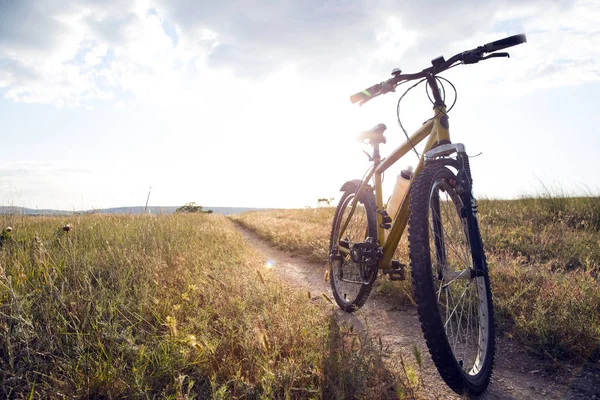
457	297
459	324
460	298
346	277
465	249
447	244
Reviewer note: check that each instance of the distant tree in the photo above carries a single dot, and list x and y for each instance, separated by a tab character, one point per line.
192	207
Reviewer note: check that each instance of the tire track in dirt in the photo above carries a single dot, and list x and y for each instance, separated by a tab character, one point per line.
516	374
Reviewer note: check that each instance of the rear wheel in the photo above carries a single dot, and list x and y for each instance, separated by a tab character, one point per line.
352	282
454	302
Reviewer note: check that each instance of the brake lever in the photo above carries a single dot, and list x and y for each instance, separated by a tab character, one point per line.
387	87
495	55
471	57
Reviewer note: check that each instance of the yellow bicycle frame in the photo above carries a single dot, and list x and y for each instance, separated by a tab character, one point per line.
437	132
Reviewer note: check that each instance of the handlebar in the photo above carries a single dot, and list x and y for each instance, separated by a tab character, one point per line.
505	43
439	65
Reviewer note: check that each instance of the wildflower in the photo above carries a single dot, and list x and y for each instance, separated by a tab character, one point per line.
191	341
172	325
263	337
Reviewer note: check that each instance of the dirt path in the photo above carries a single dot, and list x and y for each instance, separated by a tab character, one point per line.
516	374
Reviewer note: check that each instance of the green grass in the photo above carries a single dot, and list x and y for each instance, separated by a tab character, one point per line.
544	257
168	307
545	264
561	233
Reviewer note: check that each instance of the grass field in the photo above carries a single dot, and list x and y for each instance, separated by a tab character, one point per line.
544	258
170	307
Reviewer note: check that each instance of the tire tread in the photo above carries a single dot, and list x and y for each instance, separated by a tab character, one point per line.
368	200
424	292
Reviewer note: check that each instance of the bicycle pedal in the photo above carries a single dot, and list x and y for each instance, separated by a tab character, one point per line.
386	219
397	273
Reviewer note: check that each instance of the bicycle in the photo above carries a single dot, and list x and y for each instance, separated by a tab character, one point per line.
449	270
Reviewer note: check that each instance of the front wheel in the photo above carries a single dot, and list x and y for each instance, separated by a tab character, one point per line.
450	280
351	282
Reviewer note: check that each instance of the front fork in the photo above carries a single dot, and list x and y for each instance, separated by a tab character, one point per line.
469	212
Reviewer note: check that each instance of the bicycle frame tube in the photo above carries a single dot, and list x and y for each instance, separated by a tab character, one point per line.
437	132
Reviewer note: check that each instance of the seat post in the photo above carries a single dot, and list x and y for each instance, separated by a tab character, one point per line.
376	155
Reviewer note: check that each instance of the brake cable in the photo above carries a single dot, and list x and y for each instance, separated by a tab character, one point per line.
400	120
439	80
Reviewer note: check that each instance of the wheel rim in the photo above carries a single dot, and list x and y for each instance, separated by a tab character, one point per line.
462	299
346	275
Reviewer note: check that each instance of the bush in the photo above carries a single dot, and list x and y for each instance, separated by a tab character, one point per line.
192	207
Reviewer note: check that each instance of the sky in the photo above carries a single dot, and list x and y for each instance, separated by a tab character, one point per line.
245	102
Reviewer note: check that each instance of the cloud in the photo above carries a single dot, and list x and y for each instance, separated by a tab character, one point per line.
31	170
63	185
30	183
325	37
68	53
26	27
56	52
304	33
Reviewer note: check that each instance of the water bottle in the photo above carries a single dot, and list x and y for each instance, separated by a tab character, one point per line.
400	189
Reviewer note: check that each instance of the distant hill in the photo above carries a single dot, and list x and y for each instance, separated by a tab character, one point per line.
30	211
120	210
170	210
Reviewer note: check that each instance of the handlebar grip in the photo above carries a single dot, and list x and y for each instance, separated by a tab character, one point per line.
504	43
366	94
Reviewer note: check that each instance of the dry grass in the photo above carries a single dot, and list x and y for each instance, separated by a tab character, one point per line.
169	306
306	232
303	231
545	264
544	256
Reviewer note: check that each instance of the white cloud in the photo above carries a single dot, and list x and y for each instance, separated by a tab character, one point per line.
257	91
69	53
5	79
96	54
68	63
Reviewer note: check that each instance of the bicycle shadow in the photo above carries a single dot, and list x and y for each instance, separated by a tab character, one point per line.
352	360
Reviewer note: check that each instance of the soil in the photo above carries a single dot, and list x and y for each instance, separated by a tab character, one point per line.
517	374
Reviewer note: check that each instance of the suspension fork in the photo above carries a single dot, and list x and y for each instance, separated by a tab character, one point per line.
469	211
440	253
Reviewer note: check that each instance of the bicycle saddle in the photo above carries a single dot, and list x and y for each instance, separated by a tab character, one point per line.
373	135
